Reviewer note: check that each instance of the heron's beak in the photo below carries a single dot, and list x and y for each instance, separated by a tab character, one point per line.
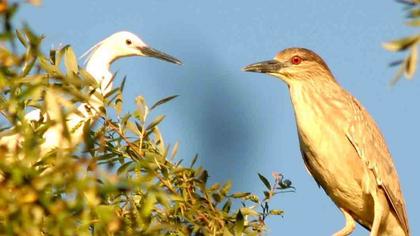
270	66
151	52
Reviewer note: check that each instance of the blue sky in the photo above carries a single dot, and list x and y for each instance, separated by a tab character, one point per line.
242	123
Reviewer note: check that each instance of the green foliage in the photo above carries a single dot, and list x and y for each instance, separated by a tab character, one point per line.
125	181
408	65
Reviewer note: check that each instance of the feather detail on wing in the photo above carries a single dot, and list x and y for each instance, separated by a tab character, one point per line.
370	145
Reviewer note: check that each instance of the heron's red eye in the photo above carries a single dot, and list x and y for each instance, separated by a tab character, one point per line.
296	60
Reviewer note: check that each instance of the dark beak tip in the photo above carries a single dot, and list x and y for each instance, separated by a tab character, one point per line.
151	52
250	68
244	69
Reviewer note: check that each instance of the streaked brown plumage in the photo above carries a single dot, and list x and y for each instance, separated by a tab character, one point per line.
342	147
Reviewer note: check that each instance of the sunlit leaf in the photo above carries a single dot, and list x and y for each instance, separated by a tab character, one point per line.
249	212
411	63
401	44
70	61
174	151
239	225
276	212
45	64
240	194
21	38
155	122
414	23
124	168
415	12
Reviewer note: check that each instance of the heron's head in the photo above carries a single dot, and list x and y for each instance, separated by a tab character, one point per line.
126	44
293	64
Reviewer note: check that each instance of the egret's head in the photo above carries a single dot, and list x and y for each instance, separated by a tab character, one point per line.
293	64
126	44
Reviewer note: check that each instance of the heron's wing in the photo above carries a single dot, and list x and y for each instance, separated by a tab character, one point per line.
365	136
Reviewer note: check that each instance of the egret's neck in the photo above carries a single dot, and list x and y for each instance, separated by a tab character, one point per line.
99	67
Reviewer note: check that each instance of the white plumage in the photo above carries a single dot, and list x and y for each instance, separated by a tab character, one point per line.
98	61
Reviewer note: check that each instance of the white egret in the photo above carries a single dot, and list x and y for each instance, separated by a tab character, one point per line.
99	59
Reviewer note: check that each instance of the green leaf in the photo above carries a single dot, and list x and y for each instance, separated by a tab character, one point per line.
174	151
214	187
226	232
411	63
240	194
155	122
163	101
226	207
126	167
105	212
248	211
148	205
142	108
217	197
265	181
276	212
413	23
119	102
21	38
267	195
401	44
239	224
414	13
204	177
226	188
46	65
194	160
70	61
254	198
88	78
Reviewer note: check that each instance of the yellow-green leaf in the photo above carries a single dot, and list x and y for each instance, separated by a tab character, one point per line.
155	122
70	61
239	224
411	63
413	23
401	44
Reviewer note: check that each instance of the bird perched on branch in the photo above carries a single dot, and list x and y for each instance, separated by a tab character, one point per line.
341	145
99	59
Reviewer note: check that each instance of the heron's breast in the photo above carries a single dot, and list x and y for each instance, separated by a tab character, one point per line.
329	156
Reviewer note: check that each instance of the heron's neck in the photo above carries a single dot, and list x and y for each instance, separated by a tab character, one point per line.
315	99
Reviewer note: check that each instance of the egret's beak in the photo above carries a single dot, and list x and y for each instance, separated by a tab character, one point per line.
270	66
151	52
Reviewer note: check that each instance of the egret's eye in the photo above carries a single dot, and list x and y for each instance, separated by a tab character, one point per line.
128	42
296	60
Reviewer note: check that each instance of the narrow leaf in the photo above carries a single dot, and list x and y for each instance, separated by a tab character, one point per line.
162	101
411	63
401	44
174	151
155	122
126	167
21	38
413	23
239	224
265	181
240	194
70	61
276	212
194	160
